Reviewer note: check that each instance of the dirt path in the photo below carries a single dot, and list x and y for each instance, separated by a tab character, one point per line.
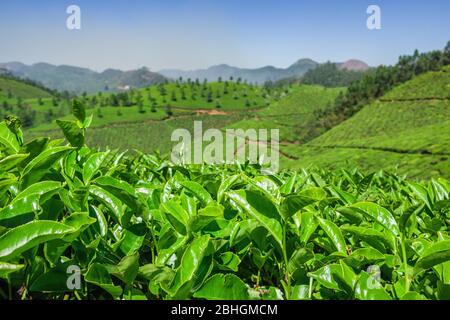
387	149
414	99
215	111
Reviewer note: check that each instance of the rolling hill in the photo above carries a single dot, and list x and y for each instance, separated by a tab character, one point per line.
408	129
148	116
159	102
258	75
294	114
10	88
78	80
353	65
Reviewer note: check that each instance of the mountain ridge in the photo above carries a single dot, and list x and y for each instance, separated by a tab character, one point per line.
79	79
258	75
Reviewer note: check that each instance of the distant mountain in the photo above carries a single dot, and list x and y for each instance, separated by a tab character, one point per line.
258	75
76	79
353	65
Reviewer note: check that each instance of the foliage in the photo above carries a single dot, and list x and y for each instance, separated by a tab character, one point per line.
139	227
382	79
329	75
24	87
405	130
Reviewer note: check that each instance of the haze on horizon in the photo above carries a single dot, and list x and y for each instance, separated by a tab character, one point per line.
193	34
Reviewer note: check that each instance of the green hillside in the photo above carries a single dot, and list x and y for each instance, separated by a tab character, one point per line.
407	128
157	103
12	88
148	116
19	97
295	114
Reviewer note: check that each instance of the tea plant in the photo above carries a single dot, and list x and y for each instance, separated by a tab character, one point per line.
140	227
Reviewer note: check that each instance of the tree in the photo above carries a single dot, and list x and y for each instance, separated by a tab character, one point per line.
114	100
225	88
55	102
5	105
99	113
446	59
40	102
49	115
168	110
93	102
139	101
124	99
209	97
174	96
153	108
27	116
162	90
380	80
219	79
141	108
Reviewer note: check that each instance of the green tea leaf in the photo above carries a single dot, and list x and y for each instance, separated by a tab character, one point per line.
379	215
27	236
223	287
261	209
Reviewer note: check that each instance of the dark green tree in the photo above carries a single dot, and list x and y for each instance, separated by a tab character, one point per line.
49	115
209	97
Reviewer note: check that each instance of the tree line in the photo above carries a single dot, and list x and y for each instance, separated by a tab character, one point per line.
379	81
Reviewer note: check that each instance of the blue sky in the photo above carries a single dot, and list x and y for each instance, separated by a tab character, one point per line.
191	34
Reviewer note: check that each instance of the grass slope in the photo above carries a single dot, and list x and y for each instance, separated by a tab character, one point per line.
153	103
407	129
294	114
20	89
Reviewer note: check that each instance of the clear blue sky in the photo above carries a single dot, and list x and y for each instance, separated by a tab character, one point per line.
186	34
